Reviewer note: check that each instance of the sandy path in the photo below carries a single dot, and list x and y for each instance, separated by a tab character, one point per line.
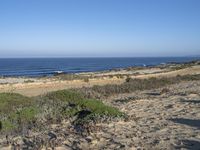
42	87
34	89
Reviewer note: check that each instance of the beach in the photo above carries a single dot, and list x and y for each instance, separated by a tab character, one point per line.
37	86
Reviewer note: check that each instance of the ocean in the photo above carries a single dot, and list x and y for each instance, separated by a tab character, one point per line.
35	67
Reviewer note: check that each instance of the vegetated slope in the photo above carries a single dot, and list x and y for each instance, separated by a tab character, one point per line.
76	115
19	113
132	85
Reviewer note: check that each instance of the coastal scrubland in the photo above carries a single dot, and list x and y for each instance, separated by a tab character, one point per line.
132	85
43	85
18	113
158	109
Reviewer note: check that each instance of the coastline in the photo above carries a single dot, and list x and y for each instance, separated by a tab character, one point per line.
42	85
159	108
47	67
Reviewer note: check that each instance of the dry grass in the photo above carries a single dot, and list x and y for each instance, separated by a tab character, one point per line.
132	85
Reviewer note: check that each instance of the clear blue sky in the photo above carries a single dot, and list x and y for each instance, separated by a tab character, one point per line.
96	28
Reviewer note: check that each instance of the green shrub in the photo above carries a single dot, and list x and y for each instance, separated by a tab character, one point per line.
65	95
72	97
9	102
27	114
77	103
19	119
98	107
19	112
6	125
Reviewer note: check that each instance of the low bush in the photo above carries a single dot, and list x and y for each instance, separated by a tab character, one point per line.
9	102
19	112
75	103
19	119
65	95
128	79
86	79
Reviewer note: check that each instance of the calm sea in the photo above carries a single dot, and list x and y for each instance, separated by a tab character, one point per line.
49	66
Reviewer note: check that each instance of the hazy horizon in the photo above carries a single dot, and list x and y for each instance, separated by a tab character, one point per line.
114	28
43	57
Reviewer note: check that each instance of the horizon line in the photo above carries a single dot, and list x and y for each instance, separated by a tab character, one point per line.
43	57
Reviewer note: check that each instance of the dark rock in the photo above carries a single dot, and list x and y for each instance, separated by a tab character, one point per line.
52	135
83	113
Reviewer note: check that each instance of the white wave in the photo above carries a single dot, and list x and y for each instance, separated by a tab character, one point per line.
58	72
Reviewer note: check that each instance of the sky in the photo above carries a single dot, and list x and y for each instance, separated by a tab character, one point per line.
99	28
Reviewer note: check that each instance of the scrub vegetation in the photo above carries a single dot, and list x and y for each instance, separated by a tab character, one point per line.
81	106
132	85
19	113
